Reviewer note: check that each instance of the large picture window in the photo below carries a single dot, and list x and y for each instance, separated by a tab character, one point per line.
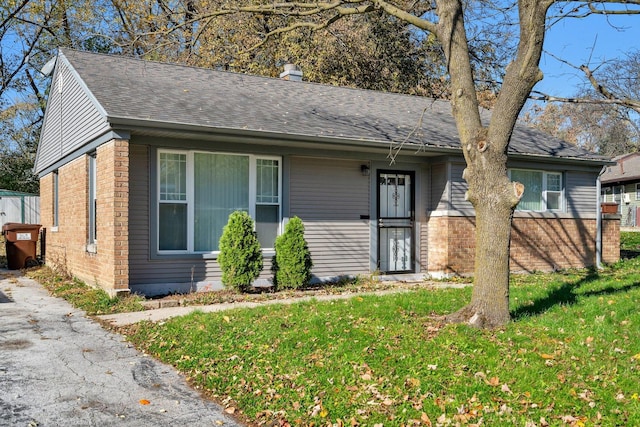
199	190
543	190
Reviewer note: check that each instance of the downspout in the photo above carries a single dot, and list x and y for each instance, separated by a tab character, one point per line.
599	221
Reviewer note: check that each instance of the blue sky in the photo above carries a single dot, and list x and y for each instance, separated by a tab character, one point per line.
587	41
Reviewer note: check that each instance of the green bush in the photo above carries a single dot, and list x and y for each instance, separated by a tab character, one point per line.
292	263
240	256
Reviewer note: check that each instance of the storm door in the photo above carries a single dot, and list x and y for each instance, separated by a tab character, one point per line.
395	222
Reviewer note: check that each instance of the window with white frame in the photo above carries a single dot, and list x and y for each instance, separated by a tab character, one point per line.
542	190
56	190
93	228
637	191
197	191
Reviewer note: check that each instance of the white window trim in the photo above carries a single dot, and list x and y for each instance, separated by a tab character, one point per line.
56	197
637	191
191	195
544	190
92	238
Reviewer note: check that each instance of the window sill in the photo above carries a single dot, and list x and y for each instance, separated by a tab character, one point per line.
266	253
92	248
54	229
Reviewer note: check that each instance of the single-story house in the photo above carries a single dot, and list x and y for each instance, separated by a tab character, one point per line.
141	163
17	206
621	185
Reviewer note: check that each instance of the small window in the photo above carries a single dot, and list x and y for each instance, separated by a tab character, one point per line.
543	190
55	198
267	201
93	228
553	192
172	209
637	191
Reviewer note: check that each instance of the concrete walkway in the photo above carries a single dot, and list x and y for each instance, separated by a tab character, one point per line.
59	368
155	315
159	314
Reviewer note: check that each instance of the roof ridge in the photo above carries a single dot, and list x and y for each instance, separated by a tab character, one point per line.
256	76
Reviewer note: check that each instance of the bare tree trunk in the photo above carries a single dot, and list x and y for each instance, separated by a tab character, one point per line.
489	306
490	192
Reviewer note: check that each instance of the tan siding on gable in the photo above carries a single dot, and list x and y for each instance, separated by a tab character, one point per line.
330	196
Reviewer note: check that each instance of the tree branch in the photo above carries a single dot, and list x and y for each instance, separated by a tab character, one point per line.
613	99
416	21
12	14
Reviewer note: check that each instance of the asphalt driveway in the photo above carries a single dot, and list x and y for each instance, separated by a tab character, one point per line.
59	368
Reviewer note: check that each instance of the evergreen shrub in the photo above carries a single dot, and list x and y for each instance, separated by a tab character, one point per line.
292	263
240	256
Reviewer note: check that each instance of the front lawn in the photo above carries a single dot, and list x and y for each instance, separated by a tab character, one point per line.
571	356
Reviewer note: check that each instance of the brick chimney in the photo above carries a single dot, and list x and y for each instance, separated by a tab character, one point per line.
292	73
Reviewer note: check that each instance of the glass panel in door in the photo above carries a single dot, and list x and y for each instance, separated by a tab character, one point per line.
395	222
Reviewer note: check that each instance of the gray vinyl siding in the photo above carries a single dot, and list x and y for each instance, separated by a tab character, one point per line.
330	196
139	268
143	268
629	207
580	193
49	148
459	188
439	187
72	119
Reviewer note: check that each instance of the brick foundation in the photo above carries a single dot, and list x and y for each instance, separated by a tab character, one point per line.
537	244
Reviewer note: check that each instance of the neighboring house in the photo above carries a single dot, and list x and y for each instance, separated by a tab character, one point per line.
142	162
16	206
621	185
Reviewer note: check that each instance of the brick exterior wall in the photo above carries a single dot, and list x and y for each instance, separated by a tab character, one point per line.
105	265
537	244
610	238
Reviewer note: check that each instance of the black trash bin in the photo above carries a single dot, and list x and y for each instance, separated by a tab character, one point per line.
20	243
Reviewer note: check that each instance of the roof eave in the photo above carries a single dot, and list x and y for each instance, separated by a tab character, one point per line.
619	179
566	160
146	126
257	136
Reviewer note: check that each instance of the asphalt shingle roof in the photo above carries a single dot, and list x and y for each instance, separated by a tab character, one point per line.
130	88
627	168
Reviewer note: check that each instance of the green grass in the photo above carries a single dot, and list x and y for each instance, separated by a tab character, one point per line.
571	356
93	300
630	243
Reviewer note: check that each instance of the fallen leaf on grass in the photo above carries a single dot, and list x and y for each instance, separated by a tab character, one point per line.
547	356
230	410
493	381
425	420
